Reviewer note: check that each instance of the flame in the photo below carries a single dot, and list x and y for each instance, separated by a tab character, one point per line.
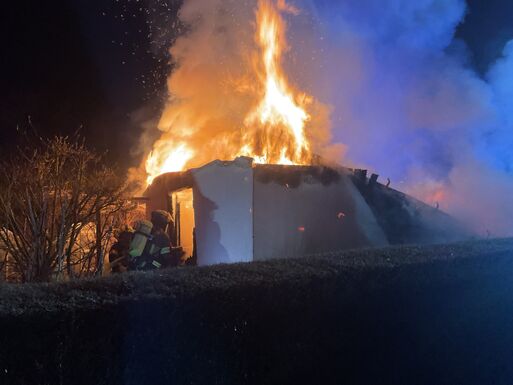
170	157
279	121
273	129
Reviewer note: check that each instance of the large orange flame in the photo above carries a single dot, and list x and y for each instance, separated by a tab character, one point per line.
273	130
276	127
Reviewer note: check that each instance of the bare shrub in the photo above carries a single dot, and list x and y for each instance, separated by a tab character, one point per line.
59	204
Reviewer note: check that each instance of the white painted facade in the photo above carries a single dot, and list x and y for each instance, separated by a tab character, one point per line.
310	218
245	212
223	201
240	218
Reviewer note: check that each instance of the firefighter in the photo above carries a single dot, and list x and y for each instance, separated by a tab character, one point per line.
151	248
118	254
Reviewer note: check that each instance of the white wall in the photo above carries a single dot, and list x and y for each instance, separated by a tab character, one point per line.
297	214
223	200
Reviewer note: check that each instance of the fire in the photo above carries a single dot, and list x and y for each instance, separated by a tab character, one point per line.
273	130
168	157
279	119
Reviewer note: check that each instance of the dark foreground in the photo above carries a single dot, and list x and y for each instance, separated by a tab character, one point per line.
411	315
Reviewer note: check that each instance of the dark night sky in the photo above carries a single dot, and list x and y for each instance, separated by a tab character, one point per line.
90	63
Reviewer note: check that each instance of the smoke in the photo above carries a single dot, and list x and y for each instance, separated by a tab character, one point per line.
215	84
407	104
206	89
210	43
404	101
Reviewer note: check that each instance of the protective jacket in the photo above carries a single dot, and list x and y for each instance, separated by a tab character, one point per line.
156	253
150	248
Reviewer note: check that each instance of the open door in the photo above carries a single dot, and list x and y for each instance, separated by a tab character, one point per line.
182	210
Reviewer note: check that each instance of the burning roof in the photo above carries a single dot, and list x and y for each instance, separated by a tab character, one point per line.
245	106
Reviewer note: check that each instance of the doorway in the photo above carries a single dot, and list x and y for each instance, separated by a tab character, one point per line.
182	210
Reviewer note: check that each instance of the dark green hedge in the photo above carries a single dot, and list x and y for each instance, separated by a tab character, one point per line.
410	315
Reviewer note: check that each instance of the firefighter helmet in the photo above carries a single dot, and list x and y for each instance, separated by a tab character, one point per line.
161	218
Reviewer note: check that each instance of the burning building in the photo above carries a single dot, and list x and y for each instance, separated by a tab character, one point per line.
239	211
274	199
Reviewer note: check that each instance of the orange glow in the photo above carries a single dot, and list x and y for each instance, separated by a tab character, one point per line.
272	125
436	197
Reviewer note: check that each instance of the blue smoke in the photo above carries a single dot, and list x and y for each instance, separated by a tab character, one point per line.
499	140
407	103
422	24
